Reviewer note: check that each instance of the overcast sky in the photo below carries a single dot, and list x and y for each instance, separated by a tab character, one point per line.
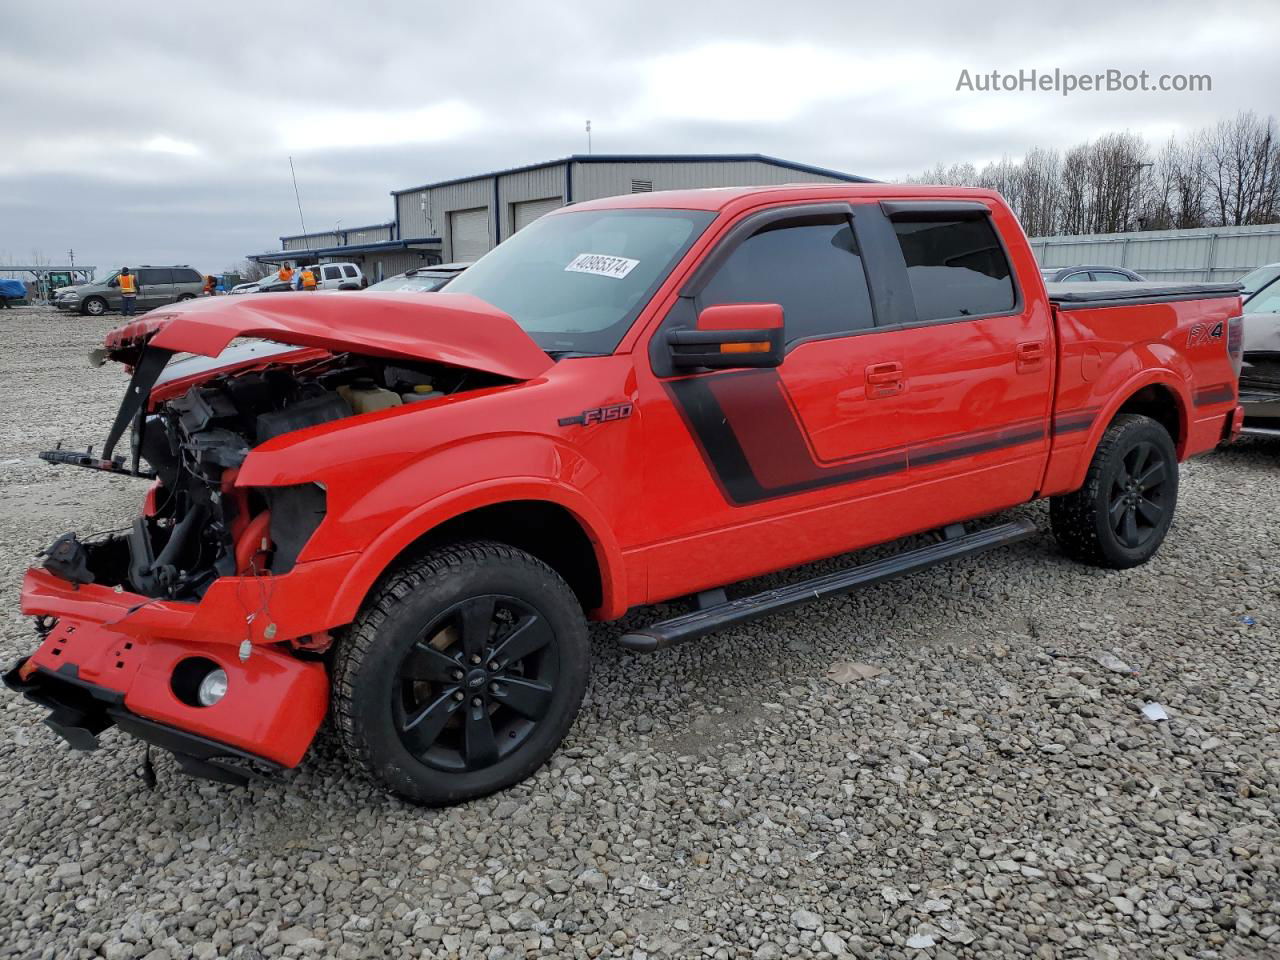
150	132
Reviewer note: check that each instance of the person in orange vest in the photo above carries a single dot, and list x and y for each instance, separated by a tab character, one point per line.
308	279
128	291
285	274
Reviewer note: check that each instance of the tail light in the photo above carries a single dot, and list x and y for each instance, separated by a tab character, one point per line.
1235	343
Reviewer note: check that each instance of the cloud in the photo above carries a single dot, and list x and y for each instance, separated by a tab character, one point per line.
170	141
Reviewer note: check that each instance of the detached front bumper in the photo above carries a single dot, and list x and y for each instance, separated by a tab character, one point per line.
114	658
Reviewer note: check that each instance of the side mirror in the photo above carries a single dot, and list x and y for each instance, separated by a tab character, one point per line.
729	336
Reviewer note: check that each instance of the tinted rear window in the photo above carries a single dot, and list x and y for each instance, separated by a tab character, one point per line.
155	275
187	276
956	268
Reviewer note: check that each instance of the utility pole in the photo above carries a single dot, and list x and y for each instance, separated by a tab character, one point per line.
588	136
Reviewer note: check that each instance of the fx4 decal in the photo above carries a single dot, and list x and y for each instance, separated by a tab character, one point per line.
1202	333
615	411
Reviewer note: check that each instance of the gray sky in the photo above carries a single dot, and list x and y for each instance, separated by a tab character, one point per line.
148	132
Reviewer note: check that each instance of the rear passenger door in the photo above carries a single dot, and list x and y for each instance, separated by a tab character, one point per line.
155	287
977	372
331	277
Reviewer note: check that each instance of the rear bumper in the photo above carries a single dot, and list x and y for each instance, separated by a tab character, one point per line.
1261	410
92	673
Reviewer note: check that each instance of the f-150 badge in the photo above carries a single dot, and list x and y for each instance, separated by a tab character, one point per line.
616	411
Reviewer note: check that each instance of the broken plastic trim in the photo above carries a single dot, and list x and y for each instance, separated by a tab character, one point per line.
150	365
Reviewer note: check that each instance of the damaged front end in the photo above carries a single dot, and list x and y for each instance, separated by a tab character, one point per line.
201	627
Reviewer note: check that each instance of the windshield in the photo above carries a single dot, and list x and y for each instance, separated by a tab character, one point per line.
575	281
1255	281
411	283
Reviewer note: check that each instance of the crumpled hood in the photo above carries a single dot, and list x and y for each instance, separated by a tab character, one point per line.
457	329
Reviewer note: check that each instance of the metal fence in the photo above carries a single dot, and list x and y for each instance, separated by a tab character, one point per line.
1203	253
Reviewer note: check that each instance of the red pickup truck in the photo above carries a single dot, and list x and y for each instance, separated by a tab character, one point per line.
397	507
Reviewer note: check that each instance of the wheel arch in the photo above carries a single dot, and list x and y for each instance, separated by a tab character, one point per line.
536	516
1155	393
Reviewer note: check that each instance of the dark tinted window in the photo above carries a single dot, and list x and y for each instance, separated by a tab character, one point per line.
154	275
333	273
810	266
186	275
956	267
349	270
1077	278
1105	275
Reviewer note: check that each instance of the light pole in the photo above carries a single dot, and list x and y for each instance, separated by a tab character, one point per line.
1137	166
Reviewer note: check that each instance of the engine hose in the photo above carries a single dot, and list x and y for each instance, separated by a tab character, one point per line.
250	543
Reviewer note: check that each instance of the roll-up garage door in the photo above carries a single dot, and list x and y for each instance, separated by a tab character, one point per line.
469	233
523	214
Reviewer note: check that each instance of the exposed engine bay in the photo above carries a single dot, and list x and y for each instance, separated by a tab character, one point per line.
198	525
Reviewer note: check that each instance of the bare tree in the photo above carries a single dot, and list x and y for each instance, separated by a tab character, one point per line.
250	270
956	175
1242	160
1228	174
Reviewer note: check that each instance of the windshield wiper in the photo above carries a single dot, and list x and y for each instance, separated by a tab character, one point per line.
571	354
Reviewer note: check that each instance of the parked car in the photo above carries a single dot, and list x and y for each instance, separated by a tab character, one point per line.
400	521
1257	280
419	280
1090	274
329	276
1260	375
157	286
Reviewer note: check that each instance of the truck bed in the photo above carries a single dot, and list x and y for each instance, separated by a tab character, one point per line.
1119	294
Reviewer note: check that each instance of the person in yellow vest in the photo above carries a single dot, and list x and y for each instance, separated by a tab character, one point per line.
128	291
285	274
308	279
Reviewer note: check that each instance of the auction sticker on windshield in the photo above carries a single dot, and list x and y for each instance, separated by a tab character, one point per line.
602	265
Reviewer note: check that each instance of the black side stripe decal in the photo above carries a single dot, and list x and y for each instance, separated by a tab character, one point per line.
1218	393
755	448
1074	422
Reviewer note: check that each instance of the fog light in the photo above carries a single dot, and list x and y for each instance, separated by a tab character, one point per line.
212	688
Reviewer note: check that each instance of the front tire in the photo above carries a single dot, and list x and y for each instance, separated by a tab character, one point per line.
462	675
1121	515
95	307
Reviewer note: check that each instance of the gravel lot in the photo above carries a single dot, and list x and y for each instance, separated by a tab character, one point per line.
994	792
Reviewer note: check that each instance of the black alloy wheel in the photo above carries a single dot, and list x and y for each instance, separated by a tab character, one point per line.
477	683
1139	495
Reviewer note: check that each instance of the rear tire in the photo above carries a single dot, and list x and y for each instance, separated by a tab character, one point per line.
1121	515
462	675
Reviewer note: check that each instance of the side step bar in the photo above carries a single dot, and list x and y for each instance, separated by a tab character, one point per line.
699	623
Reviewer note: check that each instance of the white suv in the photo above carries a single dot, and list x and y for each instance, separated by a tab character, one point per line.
339	276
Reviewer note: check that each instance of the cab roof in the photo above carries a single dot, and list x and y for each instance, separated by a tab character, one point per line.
721	198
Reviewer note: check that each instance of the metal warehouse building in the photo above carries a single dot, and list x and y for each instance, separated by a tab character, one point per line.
462	219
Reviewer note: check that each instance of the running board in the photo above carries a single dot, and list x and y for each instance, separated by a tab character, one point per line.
699	623
1248	431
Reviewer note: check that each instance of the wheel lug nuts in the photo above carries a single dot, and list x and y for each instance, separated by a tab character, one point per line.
459	695
493	665
458	674
495	688
476	701
475	658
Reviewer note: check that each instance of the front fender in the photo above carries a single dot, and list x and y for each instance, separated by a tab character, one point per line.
378	506
378	556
